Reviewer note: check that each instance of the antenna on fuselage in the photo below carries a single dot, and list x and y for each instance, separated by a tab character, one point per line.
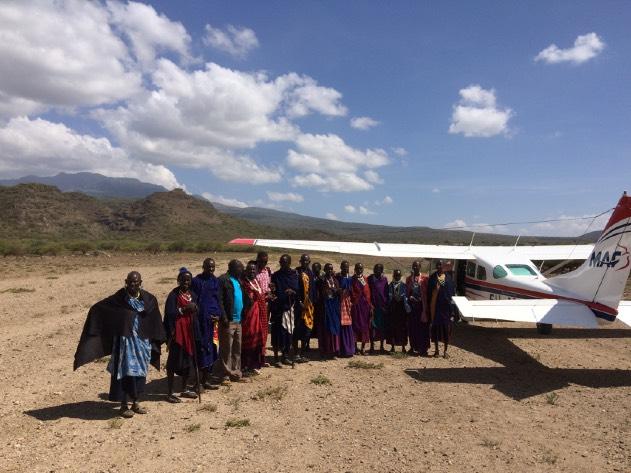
471	243
516	241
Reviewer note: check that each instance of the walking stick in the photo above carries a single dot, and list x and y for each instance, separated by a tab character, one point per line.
199	386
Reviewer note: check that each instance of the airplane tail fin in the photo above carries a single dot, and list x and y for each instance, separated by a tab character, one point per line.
600	281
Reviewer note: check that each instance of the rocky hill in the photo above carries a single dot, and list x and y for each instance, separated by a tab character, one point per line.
38	211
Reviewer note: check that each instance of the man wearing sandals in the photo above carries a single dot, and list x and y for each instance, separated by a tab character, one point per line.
127	326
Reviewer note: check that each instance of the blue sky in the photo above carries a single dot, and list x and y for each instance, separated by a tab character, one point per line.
530	138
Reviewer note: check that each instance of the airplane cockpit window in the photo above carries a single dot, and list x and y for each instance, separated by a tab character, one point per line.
521	270
499	272
481	273
471	269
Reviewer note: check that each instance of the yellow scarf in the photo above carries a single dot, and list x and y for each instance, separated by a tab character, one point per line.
309	309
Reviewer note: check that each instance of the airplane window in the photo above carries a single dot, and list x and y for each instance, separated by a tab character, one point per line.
481	273
499	272
521	270
471	269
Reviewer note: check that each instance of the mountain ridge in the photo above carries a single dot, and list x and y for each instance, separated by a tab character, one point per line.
161	216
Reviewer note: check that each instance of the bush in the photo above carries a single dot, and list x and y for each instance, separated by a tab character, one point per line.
10	248
42	248
154	247
177	246
107	245
81	246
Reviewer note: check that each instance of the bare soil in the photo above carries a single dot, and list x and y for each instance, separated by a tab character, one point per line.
507	399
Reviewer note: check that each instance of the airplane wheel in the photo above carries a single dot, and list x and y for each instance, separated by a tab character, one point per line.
544	329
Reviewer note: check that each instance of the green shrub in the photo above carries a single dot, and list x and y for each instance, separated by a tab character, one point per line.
11	248
81	246
154	247
177	246
48	249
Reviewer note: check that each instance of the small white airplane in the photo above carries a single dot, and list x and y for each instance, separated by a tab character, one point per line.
502	283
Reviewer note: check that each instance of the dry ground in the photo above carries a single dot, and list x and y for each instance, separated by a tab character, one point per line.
507	400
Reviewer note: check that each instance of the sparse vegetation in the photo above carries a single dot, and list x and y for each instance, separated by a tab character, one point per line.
169	280
17	290
321	380
398	355
235	403
549	457
552	398
490	443
115	423
238	423
274	393
364	365
192	428
208	408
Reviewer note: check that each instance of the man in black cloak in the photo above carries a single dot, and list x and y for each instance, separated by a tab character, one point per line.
128	326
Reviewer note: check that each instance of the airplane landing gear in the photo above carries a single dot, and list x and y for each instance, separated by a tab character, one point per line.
544	329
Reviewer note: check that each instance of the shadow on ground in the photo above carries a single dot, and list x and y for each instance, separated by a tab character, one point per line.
522	375
86	410
155	390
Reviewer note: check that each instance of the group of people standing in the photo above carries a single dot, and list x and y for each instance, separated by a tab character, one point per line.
216	328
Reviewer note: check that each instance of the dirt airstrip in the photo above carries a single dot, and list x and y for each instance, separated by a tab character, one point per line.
507	399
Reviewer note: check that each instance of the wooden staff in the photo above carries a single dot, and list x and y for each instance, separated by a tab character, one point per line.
198	385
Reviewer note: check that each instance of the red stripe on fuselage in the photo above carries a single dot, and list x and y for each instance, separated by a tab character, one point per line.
542	295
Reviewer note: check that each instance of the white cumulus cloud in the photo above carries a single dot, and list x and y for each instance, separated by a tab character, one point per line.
363	123
331	216
237	41
460	224
201	118
45	148
148	31
359	209
285	197
558	226
477	114
327	162
220	199
130	68
586	47
61	54
400	151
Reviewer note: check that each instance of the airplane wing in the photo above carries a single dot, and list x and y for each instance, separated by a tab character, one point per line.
370	249
403	250
545	311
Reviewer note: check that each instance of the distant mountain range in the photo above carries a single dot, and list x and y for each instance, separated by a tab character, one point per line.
87	205
384	233
92	184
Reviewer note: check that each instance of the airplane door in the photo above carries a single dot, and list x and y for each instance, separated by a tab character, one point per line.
461	266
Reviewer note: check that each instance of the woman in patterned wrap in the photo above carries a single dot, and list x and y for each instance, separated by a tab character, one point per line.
329	299
180	322
362	308
347	337
252	341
